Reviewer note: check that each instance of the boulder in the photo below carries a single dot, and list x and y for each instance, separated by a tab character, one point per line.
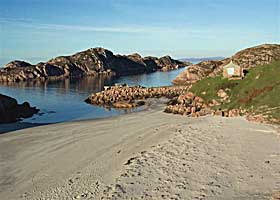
219	113
234	113
124	105
214	102
256	118
11	111
221	93
188	104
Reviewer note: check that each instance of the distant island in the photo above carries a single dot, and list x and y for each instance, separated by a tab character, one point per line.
197	60
91	62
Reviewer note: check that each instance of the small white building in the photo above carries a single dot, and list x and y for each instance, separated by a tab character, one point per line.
233	71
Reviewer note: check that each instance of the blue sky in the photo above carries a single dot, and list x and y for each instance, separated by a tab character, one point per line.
36	30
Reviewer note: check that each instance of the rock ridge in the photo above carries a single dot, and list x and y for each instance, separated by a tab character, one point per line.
247	58
92	62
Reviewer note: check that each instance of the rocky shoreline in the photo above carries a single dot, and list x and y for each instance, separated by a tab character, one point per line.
192	105
123	96
182	101
195	106
90	62
11	111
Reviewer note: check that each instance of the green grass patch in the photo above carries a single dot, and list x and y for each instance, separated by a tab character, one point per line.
258	92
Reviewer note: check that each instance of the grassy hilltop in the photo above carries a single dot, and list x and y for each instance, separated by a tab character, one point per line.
257	93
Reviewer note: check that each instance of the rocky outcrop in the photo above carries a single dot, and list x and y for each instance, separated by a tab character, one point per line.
188	104
90	62
11	111
197	72
166	63
247	58
259	55
17	64
123	96
194	106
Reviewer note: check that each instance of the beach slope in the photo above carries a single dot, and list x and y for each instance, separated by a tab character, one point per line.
144	155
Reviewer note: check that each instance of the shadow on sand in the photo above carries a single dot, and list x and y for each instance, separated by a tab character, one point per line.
6	128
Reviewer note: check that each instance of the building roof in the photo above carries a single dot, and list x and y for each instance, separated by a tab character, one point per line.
231	65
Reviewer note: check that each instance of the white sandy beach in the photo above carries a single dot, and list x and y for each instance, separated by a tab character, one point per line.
144	155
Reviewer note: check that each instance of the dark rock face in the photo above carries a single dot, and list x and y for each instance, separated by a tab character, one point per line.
11	111
89	62
247	58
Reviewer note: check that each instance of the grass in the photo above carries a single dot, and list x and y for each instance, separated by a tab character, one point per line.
258	92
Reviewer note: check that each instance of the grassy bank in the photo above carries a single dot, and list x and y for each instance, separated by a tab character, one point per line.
258	92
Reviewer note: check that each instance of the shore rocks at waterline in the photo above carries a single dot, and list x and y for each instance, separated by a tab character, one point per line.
123	96
91	62
11	111
181	101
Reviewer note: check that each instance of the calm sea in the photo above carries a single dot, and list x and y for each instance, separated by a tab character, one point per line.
64	100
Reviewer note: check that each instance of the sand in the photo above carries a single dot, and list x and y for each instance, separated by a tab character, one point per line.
144	155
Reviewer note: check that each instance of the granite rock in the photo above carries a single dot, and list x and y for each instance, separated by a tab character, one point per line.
247	58
92	62
11	111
